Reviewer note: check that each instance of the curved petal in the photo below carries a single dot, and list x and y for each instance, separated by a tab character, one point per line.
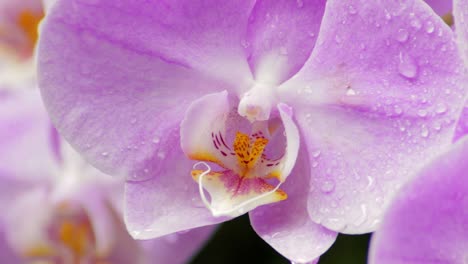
462	126
427	222
441	7
6	253
169	202
176	248
378	98
127	70
460	13
281	36
286	226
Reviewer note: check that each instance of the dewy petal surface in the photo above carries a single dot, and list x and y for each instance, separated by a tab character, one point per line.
286	226
169	202
127	70
460	13
427	221
378	98
280	37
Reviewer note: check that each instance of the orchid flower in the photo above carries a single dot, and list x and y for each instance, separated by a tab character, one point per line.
18	35
428	220
308	115
57	208
461	27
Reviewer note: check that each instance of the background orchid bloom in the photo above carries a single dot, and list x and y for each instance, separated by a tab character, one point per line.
55	207
428	220
339	103
460	12
18	36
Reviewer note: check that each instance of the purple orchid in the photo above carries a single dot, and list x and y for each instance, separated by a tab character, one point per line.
75	209
428	220
18	35
308	114
460	11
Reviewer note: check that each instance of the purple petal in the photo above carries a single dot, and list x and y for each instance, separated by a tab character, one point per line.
127	70
169	202
462	126
378	98
176	248
26	155
286	225
441	7
460	13
281	36
427	222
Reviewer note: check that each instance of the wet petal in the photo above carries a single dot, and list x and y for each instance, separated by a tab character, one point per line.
460	13
441	7
115	89
427	222
374	102
170	201
286	226
281	36
177	248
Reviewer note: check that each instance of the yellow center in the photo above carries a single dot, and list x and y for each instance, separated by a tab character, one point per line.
248	151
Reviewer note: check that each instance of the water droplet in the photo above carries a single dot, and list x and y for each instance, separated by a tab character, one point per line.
441	108
407	67
424	131
397	110
422	113
328	186
245	43
161	155
352	10
402	35
156	140
429	27
337	38
133	121
314	164
350	92
416	23
105	154
316	153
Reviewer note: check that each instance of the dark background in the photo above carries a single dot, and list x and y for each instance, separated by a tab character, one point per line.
235	242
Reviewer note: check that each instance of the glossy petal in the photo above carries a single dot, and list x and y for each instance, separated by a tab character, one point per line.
116	89
460	13
281	36
462	126
177	248
441	7
427	222
286	225
378	97
169	202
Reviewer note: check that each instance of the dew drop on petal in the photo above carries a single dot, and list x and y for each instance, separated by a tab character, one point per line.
424	131
352	10
441	108
402	35
407	66
328	186
105	154
422	113
429	27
